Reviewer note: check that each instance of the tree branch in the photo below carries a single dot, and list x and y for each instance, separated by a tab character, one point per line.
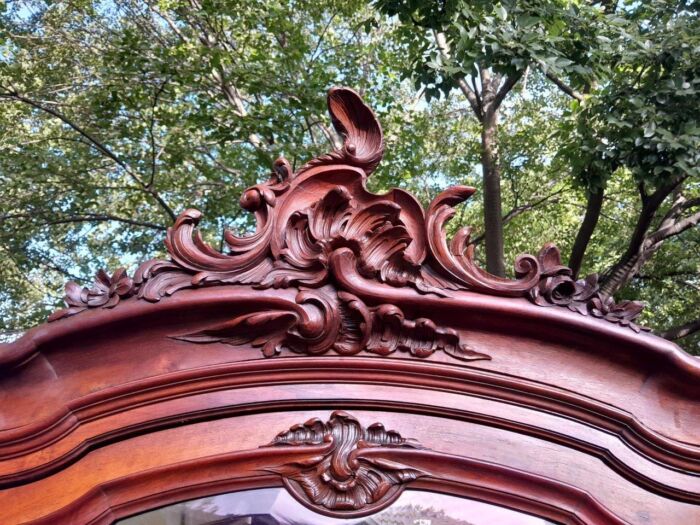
668	275
152	122
519	210
469	93
674	229
88	217
594	204
168	20
678	332
628	264
505	88
321	37
97	144
559	82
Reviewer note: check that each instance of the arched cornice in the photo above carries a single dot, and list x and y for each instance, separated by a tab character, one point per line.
343	290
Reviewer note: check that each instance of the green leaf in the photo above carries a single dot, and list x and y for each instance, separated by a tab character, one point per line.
501	12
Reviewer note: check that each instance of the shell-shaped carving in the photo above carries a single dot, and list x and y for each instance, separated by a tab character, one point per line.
374	233
330	473
363	140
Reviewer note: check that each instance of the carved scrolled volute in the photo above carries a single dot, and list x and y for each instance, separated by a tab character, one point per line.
322	320
323	212
457	260
330	471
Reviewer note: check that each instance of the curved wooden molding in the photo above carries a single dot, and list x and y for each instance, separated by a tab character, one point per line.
329	472
464	477
111	412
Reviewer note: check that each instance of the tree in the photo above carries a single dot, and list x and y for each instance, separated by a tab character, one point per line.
485	49
631	70
117	115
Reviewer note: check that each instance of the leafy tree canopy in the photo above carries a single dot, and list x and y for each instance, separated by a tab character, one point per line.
116	115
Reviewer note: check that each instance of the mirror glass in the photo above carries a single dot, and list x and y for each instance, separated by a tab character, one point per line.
275	506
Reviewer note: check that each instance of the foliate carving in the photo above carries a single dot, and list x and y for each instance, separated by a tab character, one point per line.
329	471
341	322
106	292
363	141
306	219
557	287
456	261
374	232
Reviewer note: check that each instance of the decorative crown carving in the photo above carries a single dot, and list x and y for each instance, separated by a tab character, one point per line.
318	222
329	471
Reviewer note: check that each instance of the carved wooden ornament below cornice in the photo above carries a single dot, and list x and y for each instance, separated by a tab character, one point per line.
319	229
331	471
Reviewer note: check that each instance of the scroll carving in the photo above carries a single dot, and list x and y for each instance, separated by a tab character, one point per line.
456	261
341	323
363	141
557	287
307	218
330	471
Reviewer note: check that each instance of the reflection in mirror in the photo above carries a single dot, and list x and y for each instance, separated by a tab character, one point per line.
277	507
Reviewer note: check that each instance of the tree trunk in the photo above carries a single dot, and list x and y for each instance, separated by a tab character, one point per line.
585	232
493	222
485	106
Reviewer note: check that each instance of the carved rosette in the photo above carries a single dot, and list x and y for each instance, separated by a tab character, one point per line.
307	220
330	471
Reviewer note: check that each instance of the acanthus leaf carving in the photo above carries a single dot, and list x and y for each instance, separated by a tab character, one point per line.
106	292
319	322
363	140
329	471
557	287
456	261
305	218
375	233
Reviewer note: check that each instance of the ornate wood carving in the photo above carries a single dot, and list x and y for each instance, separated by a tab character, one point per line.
344	271
106	292
329	472
325	320
557	287
307	219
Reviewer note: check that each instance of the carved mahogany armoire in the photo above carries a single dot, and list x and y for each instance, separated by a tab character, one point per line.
346	363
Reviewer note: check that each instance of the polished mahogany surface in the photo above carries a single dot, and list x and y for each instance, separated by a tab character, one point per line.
346	356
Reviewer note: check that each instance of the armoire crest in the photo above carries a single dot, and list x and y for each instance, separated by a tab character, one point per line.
155	388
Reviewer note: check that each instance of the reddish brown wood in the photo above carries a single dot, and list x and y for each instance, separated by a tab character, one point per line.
342	469
149	390
306	219
348	327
